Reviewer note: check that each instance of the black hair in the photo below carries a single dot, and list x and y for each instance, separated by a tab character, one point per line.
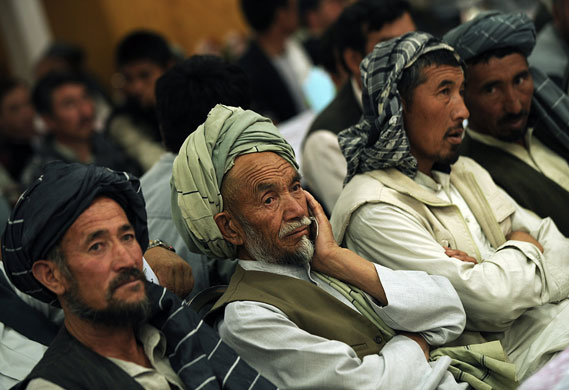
305	6
329	52
495	53
42	93
188	91
72	55
7	86
260	14
143	45
414	76
363	17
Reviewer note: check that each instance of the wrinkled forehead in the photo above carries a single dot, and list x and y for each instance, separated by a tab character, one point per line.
254	169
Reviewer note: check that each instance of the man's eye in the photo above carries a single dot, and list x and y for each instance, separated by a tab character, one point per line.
489	90
128	237
269	200
519	80
95	247
297	187
445	91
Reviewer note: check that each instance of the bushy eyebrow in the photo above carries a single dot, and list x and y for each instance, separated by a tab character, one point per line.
262	187
101	232
446	83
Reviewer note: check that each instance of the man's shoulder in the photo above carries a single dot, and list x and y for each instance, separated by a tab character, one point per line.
342	112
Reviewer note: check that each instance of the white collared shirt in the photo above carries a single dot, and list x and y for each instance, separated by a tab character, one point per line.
537	155
293	358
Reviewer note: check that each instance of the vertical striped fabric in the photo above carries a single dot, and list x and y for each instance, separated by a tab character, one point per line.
195	351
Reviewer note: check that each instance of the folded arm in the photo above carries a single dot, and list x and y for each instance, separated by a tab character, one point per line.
493	292
292	358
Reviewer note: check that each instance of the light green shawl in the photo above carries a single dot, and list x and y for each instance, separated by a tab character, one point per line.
204	158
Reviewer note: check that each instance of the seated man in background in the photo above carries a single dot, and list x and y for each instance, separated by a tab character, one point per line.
64	102
238	195
276	64
359	28
17	131
517	128
76	239
184	96
411	204
141	58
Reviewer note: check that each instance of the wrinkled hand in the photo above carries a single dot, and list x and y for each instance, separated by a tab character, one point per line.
325	245
524	236
172	271
419	340
330	259
460	255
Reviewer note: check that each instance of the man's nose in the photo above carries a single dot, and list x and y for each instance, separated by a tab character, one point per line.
460	111
123	257
294	207
512	103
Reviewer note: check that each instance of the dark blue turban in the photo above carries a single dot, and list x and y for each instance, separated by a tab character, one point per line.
51	204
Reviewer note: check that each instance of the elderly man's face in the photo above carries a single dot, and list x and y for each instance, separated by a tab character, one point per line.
433	120
498	95
270	209
105	263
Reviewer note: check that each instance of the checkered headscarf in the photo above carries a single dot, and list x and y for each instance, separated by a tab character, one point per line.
379	141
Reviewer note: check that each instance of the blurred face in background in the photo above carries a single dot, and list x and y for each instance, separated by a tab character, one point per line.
17	114
139	81
73	114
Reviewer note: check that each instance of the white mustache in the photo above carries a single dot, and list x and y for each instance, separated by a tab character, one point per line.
289	227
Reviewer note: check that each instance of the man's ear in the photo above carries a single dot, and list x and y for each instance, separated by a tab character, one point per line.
352	58
229	228
48	274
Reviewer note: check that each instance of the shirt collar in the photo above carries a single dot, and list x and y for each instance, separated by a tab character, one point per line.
493	141
279	269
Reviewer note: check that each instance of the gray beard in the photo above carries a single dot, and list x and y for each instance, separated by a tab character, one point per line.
268	253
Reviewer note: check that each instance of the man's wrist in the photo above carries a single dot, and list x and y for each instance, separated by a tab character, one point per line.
160	243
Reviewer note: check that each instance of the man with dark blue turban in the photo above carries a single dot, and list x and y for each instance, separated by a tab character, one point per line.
518	117
75	239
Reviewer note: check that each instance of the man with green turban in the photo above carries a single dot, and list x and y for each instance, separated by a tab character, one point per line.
300	309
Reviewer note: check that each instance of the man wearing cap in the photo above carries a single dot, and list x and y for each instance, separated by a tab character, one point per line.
300	309
75	239
517	128
410	204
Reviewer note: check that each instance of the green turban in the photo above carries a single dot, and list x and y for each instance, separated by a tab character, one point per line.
204	158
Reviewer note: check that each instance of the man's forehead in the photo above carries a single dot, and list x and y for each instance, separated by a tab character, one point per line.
96	216
437	74
253	168
67	89
497	67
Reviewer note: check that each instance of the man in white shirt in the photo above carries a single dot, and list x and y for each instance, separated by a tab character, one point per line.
411	204
518	116
238	195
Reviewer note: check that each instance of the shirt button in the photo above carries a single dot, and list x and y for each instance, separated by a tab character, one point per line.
378	339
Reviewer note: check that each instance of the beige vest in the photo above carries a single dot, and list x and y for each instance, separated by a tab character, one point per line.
308	306
442	219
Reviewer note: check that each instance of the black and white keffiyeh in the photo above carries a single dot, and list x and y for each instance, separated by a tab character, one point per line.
379	141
